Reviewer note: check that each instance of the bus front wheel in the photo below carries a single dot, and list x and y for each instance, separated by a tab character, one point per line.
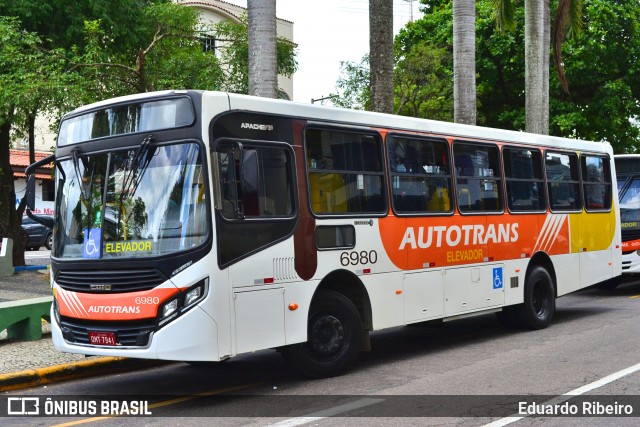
334	338
539	300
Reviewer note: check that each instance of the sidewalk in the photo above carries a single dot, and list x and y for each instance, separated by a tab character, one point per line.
20	355
31	363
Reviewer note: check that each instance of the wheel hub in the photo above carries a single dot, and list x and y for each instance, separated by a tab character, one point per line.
327	335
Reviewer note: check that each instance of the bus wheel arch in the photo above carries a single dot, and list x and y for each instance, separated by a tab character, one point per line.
542	259
348	284
337	328
540	293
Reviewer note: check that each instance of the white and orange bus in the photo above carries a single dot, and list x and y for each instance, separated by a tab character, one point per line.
196	226
628	177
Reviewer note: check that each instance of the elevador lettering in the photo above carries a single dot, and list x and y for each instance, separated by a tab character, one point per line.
454	235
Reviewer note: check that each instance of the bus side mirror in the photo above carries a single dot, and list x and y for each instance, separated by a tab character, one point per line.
30	194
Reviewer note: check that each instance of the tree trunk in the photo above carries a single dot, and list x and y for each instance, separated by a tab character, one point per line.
546	55
10	223
536	101
263	78
464	61
381	55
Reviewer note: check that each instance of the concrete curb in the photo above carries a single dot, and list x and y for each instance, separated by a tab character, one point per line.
69	371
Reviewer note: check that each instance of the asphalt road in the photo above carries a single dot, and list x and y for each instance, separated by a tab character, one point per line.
469	372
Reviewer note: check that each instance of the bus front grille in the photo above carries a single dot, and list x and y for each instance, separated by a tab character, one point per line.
109	281
128	334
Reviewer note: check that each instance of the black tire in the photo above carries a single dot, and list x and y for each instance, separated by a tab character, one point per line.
334	338
48	242
539	300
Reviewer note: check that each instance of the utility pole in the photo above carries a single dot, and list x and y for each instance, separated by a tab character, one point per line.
411	9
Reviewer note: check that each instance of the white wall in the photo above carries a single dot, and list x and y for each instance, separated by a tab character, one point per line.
44	208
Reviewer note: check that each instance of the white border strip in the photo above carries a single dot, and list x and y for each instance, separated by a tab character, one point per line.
298	421
575	392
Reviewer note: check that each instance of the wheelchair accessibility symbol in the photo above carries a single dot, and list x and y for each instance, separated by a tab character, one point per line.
497	278
92	243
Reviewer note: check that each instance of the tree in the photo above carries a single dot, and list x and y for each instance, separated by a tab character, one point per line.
354	85
423	85
171	57
464	61
381	54
263	80
61	23
35	79
567	23
536	98
601	66
27	76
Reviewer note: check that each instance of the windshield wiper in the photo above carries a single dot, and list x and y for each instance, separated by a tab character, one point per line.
132	178
139	161
86	198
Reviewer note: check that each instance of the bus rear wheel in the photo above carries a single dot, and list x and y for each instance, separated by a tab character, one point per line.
539	300
334	338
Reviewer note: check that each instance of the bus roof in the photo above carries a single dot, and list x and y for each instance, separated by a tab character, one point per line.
223	101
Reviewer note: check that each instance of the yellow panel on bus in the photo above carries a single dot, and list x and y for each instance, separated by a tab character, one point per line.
328	193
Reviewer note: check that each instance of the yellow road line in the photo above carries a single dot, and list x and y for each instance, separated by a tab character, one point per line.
161	404
635	296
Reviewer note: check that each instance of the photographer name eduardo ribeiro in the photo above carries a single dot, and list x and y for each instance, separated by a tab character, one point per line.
584	408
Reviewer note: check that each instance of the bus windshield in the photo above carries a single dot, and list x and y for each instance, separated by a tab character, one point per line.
140	202
630	207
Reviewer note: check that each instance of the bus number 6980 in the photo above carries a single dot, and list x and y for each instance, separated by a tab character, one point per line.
355	258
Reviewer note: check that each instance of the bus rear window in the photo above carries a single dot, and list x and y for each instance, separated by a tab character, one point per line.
125	119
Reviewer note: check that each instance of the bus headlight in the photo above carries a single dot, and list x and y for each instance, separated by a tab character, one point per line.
169	308
182	302
192	296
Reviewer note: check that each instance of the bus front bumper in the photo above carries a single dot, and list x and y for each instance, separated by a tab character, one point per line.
190	337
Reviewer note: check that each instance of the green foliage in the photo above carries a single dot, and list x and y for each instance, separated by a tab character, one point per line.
171	57
354	90
60	23
423	83
234	55
88	50
601	65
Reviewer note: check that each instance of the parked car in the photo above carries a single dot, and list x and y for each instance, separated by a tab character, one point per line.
39	235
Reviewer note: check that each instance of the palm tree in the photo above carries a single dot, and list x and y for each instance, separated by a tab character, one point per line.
464	61
263	79
381	54
566	23
536	98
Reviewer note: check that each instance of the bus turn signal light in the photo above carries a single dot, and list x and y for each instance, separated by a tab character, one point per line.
293	306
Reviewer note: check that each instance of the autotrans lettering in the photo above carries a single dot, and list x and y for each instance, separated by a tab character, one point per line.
454	235
115	309
119	247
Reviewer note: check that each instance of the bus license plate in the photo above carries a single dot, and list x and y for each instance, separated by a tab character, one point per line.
102	338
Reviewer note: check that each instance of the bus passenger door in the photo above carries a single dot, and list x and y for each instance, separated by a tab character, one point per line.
423	296
473	288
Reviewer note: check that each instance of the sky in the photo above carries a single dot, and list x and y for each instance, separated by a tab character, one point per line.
328	32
